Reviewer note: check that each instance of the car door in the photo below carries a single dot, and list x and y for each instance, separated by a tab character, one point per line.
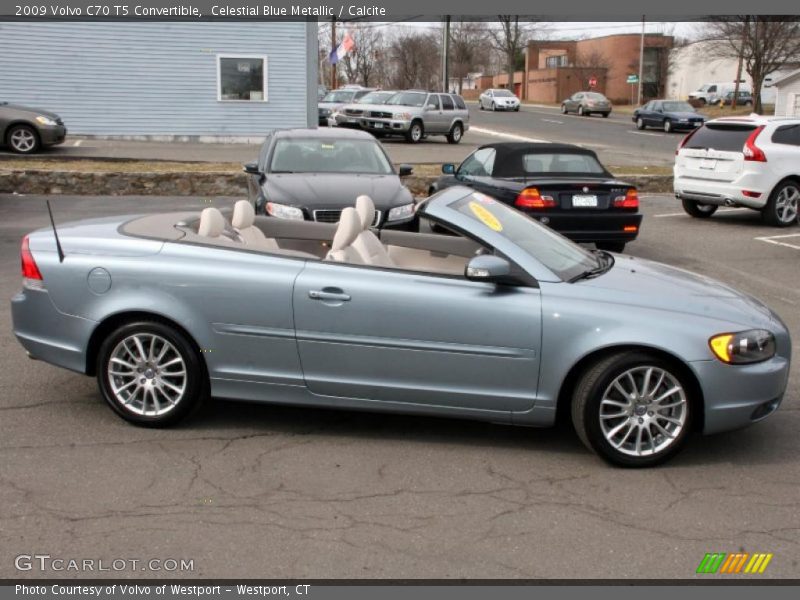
575	101
434	121
448	111
655	114
397	336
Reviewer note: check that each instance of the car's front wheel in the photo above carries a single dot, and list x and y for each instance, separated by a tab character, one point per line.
782	206
633	409
699	210
23	139
455	134
581	112
640	123
667	126
563	109
150	374
415	133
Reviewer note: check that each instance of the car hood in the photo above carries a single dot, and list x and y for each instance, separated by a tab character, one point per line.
653	285
32	111
335	190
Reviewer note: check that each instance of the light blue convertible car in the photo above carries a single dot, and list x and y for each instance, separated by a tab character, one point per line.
504	320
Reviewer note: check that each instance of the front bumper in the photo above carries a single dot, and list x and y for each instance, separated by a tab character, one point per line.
592	227
344	121
385	125
48	334
721	193
51	136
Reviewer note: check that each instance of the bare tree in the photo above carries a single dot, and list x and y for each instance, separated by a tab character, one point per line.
467	47
416	61
363	64
590	64
765	45
509	36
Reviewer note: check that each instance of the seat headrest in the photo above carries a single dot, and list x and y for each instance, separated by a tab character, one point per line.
212	223
244	215
365	208
348	230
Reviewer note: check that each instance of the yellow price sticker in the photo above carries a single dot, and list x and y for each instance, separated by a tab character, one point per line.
486	217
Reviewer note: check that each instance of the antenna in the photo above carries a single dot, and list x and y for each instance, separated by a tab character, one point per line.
55	233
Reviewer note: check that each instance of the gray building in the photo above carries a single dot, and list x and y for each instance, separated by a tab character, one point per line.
164	80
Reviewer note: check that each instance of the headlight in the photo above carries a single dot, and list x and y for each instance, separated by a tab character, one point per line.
743	348
402	116
401	212
45	120
282	211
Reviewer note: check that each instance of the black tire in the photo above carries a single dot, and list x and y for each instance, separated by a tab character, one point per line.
415	133
23	139
699	210
640	124
597	380
195	385
611	246
456	133
667	126
775	212
581	112
516	109
605	115
564	110
702	101
480	105
494	108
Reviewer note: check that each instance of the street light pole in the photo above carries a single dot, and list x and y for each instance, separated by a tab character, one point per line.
333	48
641	62
445	52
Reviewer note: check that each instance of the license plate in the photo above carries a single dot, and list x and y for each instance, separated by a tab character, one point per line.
584	201
696	124
708	163
378	125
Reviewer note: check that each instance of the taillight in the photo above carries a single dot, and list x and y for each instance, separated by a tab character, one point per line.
530	198
750	150
29	268
686	139
629	200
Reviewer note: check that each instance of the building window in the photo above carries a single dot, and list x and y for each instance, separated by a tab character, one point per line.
553	62
242	78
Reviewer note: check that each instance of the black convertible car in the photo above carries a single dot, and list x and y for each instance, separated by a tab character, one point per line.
561	185
312	174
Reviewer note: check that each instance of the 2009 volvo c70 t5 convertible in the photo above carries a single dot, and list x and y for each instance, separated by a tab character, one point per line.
505	321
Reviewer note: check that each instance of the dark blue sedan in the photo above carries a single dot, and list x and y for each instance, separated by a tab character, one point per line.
669	115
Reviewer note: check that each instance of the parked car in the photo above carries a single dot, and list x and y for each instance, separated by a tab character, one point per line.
669	115
506	321
335	99
25	130
562	185
744	98
349	115
416	114
498	100
751	162
710	93
586	104
312	174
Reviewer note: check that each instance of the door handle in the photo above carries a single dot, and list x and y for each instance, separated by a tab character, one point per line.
338	296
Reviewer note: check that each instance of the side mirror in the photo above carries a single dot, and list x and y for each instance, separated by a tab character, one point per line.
488	268
405	170
252	169
448	169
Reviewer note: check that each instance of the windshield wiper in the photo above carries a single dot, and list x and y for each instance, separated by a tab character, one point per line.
605	262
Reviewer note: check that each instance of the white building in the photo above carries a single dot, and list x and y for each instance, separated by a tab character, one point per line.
787	95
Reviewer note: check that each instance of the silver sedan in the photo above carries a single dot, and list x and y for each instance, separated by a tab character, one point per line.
503	321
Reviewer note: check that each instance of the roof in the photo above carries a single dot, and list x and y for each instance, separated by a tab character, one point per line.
536	147
330	133
786	78
751	119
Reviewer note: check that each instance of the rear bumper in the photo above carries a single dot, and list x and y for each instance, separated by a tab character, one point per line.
48	334
593	227
721	193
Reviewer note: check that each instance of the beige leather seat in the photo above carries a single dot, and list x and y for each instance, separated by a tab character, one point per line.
348	230
244	215
367	244
211	226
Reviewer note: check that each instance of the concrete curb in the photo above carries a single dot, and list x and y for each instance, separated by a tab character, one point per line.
43	181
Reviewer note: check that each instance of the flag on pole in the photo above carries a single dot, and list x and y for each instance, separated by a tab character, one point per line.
346	46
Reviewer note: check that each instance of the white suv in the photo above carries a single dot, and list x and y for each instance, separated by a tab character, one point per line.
752	162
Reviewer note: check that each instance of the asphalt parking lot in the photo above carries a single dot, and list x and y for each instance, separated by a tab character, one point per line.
272	491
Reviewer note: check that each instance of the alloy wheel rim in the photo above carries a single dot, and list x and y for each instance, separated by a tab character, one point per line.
457	133
787	203
416	132
643	411
23	140
147	374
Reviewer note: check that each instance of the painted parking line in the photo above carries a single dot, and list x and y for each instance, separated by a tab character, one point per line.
508	136
683	214
647	133
778	240
553	121
77	143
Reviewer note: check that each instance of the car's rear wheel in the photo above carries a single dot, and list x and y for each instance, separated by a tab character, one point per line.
611	246
150	374
415	133
782	206
699	210
23	139
633	409
640	123
667	126
455	133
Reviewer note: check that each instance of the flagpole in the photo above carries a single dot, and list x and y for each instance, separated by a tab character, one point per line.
333	45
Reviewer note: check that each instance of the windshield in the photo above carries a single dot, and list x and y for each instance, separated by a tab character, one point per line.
704	88
308	155
564	258
503	93
339	96
408	99
678	107
375	98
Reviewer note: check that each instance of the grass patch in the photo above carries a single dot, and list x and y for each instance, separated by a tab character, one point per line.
622	171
